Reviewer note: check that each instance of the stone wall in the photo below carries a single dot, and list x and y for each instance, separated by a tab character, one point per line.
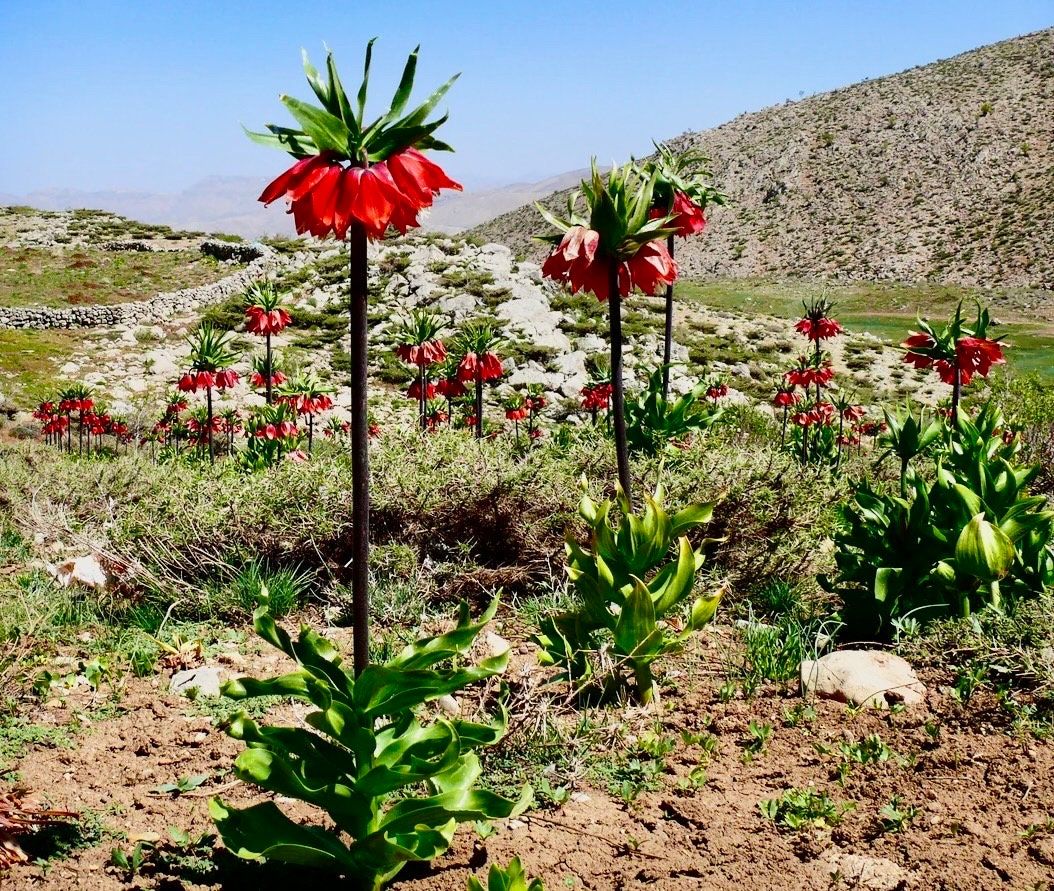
261	261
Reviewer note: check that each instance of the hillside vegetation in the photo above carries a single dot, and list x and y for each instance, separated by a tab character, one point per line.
942	173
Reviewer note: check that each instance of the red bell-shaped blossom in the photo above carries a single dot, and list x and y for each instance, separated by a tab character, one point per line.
414	391
977	355
687	217
919	341
574	262
226	379
516	414
651	268
483	368
261	321
450	388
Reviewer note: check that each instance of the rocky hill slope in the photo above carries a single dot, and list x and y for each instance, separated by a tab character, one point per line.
941	173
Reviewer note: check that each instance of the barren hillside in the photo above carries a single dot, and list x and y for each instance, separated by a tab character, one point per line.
943	173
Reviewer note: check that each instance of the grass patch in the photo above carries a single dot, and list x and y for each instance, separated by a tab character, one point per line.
87	276
29	360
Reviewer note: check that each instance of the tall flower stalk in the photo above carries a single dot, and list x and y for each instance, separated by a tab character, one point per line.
618	246
682	193
353	179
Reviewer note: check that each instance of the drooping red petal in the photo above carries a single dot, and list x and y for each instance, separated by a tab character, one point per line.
289	179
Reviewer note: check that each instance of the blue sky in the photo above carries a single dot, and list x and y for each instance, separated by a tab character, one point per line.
149	95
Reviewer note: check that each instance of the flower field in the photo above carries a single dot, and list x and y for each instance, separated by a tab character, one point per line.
417	565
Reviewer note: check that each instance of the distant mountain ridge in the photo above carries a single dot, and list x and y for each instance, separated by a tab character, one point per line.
944	172
213	204
228	204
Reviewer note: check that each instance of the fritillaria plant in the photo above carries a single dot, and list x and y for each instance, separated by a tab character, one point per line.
476	346
354	179
618	245
306	395
957	352
418	344
210	360
265	316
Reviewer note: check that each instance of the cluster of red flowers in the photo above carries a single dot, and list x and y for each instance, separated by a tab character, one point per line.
575	261
193	381
810	372
52	422
259	381
75	405
326	196
262	321
424	354
596	397
821	328
973	356
306	405
716	391
56	418
281	430
484	367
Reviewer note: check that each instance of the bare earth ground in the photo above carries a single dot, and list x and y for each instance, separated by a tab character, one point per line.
984	797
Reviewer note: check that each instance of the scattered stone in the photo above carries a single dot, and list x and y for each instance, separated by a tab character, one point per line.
496	644
860	871
862	677
86	571
206	680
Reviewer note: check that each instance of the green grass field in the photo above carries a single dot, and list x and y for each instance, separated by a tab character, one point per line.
29	361
84	276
